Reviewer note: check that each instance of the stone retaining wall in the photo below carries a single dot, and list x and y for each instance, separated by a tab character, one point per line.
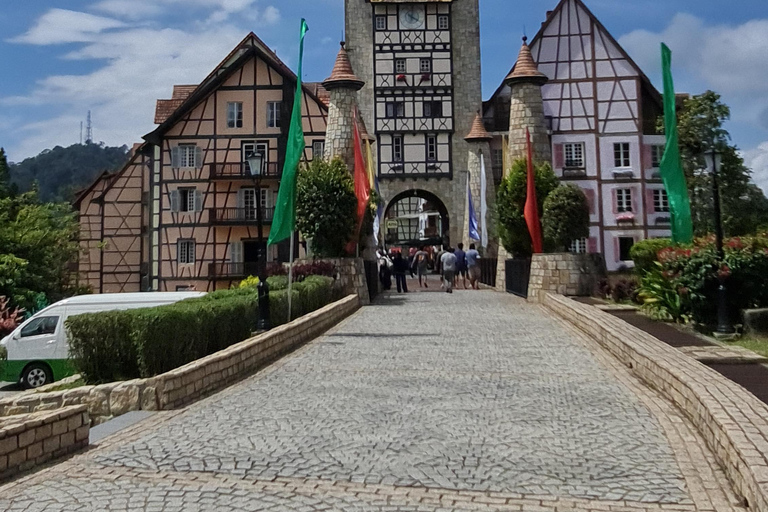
564	273
191	381
733	422
29	440
350	277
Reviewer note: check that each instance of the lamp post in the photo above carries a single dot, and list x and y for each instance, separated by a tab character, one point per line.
714	159
256	169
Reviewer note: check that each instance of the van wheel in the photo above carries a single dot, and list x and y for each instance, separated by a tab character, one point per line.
36	375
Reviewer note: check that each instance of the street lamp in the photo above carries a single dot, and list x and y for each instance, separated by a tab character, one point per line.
256	169
714	159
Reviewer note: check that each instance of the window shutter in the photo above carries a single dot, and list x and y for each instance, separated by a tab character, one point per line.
559	156
615	200
590	193
647	156
198	157
592	245
236	252
198	200
175	196
176	157
616	250
649	200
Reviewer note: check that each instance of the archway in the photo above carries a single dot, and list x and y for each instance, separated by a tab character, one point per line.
414	218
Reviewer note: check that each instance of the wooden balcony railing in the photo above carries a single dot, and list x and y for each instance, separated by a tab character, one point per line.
239	171
240	215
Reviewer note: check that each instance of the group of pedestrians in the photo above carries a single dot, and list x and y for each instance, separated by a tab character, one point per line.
452	264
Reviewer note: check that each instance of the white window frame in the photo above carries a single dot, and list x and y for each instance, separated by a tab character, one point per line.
401	66
318	149
624	200
381	18
579	246
622	154
657	153
431	148
394	109
234	114
425	65
660	201
187	156
443	22
398	149
185	252
273	114
574	155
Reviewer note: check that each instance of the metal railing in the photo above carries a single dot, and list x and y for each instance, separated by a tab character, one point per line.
240	215
240	171
227	270
488	269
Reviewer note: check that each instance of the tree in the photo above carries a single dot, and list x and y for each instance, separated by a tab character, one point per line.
326	206
510	204
566	216
6	188
744	206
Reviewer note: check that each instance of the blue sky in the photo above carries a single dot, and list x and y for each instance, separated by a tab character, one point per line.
61	58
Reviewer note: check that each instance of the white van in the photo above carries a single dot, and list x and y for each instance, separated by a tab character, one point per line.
38	350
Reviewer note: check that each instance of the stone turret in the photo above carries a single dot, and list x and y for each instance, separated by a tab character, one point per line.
479	146
527	108
343	85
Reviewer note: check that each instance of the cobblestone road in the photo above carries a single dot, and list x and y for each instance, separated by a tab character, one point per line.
425	402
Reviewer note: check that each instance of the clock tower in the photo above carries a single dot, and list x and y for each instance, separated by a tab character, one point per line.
420	61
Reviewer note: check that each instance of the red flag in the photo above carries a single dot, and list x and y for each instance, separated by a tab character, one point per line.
531	204
362	185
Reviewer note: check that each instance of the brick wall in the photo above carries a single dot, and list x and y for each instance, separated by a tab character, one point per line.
192	381
564	273
733	422
29	440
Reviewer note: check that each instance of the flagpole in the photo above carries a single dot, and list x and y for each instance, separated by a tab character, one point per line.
290	274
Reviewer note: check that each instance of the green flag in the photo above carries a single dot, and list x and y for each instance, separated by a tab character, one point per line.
671	164
284	221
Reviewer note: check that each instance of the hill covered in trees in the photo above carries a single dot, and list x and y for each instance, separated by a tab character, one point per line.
60	172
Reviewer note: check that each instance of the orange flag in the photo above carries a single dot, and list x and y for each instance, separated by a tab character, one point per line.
362	185
531	204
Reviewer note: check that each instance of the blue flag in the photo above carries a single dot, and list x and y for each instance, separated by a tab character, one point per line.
474	233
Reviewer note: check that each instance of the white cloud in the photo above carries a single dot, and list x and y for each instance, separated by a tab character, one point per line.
62	26
131	9
757	160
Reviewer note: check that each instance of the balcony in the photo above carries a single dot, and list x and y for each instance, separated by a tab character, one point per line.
235	216
239	171
229	270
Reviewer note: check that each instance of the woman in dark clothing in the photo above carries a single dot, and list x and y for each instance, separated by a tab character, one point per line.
400	267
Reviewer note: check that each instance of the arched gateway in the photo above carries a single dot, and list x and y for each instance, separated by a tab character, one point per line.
414	218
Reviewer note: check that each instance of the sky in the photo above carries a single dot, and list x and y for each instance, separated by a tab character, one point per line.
61	58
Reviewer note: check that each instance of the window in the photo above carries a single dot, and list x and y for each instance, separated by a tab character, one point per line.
574	155
381	23
395	109
497	158
624	200
187	199
621	154
185	251
40	326
397	148
660	201
186	156
425	65
400	66
433	109
234	114
318	148
273	114
248	148
657	153
579	246
625	245
443	22
431	148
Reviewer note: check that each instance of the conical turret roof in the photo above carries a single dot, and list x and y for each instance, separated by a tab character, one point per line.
525	69
342	74
478	133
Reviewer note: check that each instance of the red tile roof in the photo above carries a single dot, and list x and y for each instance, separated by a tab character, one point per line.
525	69
342	74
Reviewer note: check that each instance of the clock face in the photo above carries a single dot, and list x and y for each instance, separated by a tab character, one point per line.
412	17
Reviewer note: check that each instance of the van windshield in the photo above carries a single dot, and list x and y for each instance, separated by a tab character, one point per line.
40	326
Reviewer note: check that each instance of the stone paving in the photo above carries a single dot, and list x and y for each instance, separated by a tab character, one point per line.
429	401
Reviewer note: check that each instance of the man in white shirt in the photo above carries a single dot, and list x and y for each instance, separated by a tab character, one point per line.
448	262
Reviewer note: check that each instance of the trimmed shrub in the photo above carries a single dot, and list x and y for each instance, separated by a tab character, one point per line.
645	253
100	345
566	217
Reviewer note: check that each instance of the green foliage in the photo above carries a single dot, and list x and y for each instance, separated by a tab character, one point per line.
744	206
119	345
660	299
63	171
6	188
566	216
645	253
510	204
326	206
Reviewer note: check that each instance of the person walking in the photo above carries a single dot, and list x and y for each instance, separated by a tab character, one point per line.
439	264
400	268
448	263
421	262
461	264
473	266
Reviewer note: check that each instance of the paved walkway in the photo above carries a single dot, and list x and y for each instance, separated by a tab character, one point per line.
425	402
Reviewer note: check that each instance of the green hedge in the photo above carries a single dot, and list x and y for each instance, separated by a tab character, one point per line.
645	254
119	345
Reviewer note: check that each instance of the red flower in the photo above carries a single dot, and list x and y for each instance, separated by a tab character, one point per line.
724	272
735	243
401	78
683	291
